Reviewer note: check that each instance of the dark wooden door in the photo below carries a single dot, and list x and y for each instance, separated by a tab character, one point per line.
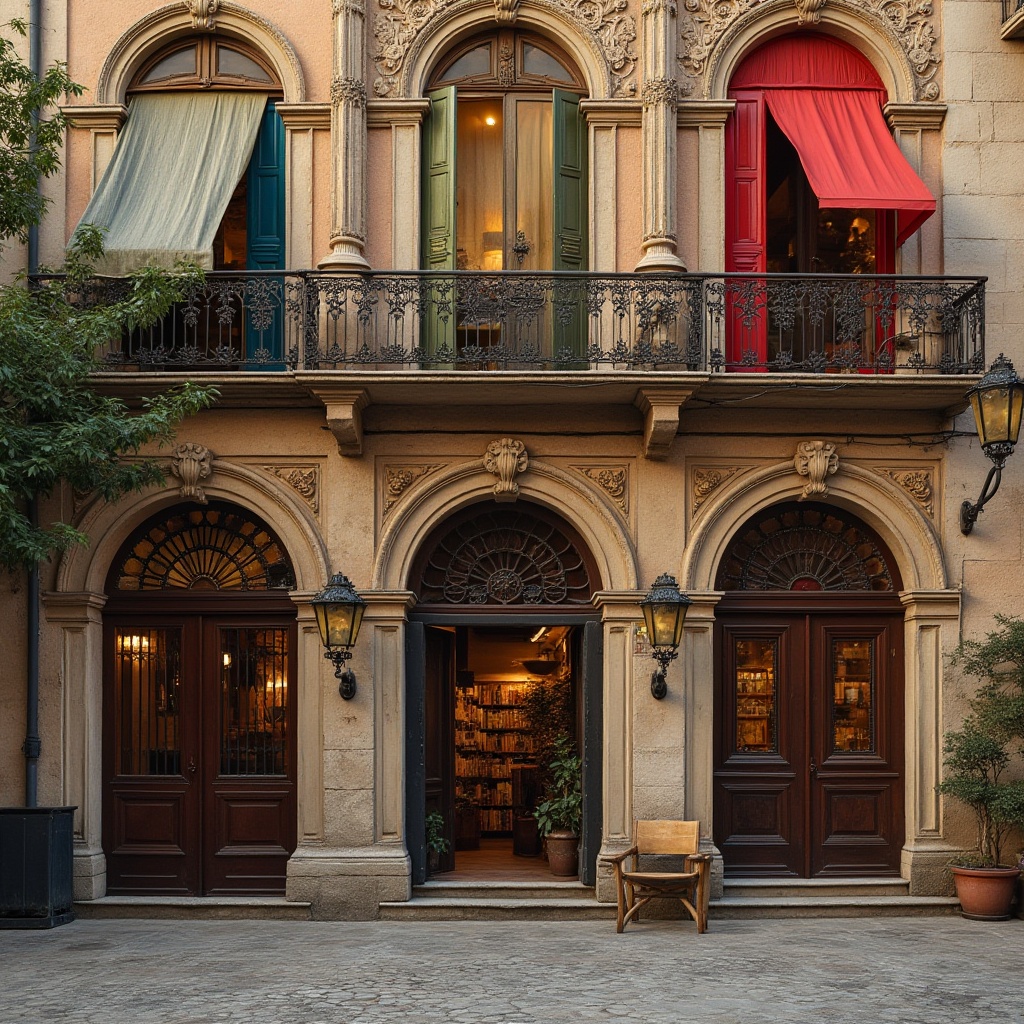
439	734
199	755
809	740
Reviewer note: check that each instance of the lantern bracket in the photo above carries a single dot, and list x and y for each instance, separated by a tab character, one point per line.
969	512
346	677
664	656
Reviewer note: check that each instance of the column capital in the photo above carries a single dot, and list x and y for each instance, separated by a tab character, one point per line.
66	608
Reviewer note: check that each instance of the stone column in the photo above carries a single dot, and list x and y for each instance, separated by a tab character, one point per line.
660	97
80	620
348	139
620	611
931	630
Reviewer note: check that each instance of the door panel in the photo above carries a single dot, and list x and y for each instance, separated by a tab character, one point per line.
591	689
438	227
152	800
819	791
439	724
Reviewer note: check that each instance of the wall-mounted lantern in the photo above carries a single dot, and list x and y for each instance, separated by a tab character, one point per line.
664	611
339	613
997	400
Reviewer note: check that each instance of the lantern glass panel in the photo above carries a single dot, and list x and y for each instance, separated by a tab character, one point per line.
992	414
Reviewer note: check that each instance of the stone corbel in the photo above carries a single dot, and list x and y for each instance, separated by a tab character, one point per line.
815	460
506	458
660	407
191	464
345	416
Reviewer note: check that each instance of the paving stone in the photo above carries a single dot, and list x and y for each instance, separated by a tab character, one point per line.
880	971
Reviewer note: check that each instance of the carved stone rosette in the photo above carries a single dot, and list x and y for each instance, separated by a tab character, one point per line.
613	480
304	480
704	480
919	485
191	463
909	23
815	460
506	459
396	480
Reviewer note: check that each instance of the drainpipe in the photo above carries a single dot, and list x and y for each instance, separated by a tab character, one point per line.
33	746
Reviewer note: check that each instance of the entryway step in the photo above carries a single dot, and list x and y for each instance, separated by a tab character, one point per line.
733	907
503	890
195	908
776	888
427	908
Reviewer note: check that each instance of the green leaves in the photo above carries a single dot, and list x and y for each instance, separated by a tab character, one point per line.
990	742
563	808
29	143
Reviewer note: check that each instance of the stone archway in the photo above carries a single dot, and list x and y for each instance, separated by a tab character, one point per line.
75	611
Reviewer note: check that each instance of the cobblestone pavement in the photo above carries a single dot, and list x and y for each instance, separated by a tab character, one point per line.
904	971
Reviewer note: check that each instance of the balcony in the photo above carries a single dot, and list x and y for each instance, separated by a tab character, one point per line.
852	341
1013	20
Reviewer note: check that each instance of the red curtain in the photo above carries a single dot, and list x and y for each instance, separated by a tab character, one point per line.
849	156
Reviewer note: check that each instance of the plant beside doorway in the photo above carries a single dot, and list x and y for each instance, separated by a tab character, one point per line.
979	756
436	841
559	815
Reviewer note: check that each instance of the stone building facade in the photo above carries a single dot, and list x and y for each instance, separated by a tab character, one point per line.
411	429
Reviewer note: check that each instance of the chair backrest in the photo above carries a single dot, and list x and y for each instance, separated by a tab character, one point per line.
666	836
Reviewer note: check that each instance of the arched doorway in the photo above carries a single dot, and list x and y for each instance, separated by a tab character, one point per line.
199	763
504	654
809	698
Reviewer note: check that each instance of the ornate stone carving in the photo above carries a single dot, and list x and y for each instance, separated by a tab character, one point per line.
397	480
506	67
399	23
909	23
613	480
615	31
705	480
337	6
348	89
203	13
505	459
506	11
808	12
660	90
653	6
304	480
815	460
918	484
190	463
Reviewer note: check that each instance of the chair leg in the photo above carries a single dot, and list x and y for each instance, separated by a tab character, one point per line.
620	899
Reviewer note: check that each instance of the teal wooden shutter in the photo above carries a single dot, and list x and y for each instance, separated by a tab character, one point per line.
571	214
438	220
264	322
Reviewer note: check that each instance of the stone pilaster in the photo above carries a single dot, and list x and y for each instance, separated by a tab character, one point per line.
660	97
348	139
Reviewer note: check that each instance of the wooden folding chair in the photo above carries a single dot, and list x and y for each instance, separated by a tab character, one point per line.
691	886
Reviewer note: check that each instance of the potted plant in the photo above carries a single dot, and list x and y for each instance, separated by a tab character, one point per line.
436	841
560	813
983	760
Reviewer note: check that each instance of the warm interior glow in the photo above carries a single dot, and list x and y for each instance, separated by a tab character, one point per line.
490	121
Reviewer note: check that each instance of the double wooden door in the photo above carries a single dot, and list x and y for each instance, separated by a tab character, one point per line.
199	753
809	740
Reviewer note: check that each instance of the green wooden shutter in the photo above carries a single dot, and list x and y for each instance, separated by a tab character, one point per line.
570	228
265	222
438	219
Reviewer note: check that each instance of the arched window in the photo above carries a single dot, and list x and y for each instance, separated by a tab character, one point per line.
206	62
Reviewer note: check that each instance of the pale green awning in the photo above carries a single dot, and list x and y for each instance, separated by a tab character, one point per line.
165	190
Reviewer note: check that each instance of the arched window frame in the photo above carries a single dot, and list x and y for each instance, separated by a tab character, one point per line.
207	74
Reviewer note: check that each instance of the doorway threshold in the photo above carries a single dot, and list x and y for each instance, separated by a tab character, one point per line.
195	908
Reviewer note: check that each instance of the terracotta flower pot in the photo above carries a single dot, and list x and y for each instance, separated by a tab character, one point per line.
563	853
985	894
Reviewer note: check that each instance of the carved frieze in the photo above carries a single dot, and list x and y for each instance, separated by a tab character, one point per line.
396	480
613	480
349	90
304	480
660	90
910	23
398	23
506	459
191	463
203	13
704	480
918	483
815	460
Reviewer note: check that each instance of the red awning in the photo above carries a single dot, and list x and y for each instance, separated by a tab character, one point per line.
849	156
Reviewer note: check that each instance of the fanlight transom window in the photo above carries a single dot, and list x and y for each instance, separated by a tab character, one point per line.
206	63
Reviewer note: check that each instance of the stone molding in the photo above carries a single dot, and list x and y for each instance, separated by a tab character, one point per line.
395	479
305	116
613	480
304	480
98	117
705	480
203	14
191	464
506	458
909	27
815	460
918	482
399	26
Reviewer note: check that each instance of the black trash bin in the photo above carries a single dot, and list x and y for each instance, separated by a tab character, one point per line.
36	857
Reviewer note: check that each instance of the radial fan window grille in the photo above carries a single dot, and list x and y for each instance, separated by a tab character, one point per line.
806	547
218	547
505	558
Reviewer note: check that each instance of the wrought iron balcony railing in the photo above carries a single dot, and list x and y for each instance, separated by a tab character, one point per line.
769	323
